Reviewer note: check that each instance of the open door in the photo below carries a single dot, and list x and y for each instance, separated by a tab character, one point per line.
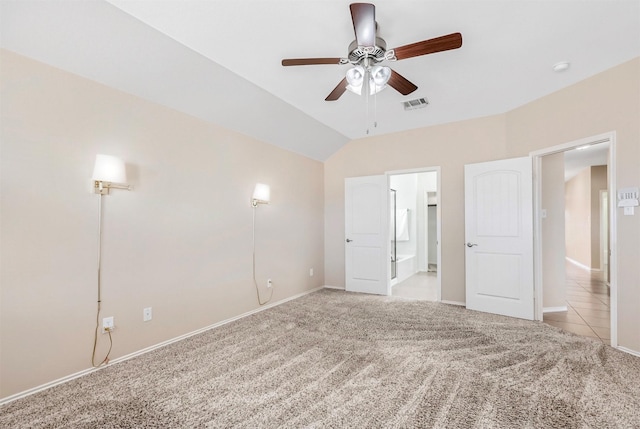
367	256
499	237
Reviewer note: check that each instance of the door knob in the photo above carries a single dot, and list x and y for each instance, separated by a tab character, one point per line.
349	240
471	244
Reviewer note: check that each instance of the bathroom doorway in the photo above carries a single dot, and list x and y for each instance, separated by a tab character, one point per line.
414	233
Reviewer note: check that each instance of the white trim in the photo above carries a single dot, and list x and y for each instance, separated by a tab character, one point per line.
554	309
626	350
613	239
581	265
578	264
538	311
68	378
601	138
610	138
333	287
460	303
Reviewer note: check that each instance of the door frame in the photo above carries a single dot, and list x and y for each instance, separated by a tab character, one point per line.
437	170
610	138
604	231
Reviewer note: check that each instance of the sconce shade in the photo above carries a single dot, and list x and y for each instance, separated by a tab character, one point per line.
109	169
261	193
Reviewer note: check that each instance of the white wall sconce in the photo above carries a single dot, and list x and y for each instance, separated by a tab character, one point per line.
261	194
109	173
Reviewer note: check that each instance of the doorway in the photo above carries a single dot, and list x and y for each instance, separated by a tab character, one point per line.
573	253
414	233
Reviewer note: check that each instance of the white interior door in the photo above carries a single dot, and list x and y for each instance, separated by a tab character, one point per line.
499	237
367	257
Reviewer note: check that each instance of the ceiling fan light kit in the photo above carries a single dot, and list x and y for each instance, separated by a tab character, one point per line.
376	77
368	49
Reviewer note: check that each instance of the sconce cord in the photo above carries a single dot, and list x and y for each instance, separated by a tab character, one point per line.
254	262
95	336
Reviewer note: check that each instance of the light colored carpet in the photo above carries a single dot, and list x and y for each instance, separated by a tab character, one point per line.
336	359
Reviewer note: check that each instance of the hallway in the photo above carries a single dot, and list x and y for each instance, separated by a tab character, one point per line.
588	313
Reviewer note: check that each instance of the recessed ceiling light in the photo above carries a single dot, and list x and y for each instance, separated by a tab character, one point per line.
561	66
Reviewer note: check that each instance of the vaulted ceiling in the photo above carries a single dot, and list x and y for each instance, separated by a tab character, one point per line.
220	60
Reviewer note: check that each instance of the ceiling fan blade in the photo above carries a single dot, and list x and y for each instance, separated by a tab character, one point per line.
309	61
337	91
401	84
363	16
439	44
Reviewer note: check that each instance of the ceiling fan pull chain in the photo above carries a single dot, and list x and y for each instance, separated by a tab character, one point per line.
366	88
375	109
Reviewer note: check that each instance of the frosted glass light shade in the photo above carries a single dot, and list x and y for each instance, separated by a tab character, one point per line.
261	193
373	88
355	76
380	75
109	169
377	78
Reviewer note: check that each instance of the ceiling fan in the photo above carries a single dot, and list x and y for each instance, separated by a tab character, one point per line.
368	50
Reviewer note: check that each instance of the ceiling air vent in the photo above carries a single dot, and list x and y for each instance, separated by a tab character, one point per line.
418	103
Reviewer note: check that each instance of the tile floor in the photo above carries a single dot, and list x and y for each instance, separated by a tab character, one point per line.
587	301
588	311
422	286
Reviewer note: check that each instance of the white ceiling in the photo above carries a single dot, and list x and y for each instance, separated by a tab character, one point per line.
220	60
576	160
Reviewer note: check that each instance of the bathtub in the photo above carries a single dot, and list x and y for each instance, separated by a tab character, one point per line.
407	266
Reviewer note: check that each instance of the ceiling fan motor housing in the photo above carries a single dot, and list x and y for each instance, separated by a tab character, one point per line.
358	53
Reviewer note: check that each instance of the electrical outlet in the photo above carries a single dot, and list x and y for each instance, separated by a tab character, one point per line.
310	272
269	283
107	323
146	314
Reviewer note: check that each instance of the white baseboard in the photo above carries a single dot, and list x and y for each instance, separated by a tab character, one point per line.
333	287
462	304
115	361
626	350
578	264
554	309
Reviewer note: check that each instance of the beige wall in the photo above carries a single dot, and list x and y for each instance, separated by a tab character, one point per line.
180	242
582	196
572	114
450	146
609	101
578	218
554	289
